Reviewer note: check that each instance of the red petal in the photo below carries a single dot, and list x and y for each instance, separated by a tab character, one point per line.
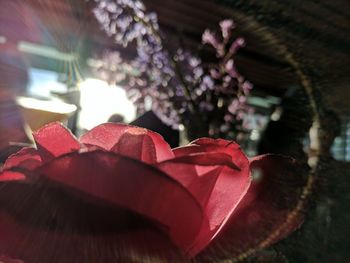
27	158
40	222
207	158
131	141
198	179
131	184
104	136
268	212
7	175
221	196
208	145
54	140
5	259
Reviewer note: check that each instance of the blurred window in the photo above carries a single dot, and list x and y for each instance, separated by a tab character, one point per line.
341	146
43	82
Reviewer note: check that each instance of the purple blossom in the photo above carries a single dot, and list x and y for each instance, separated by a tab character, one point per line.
194	62
109	67
227	26
207	83
214	73
242	99
180	85
208	37
247	87
237	44
234	106
231	69
198	72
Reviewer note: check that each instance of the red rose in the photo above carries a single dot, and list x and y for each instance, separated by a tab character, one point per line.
120	193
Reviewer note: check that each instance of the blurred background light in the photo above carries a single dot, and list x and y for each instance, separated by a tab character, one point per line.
44	82
99	102
2	39
53	105
45	51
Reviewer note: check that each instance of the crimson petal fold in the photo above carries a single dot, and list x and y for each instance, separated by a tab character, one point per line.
53	140
27	158
231	169
132	141
126	182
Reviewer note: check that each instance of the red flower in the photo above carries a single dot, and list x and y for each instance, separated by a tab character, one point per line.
121	194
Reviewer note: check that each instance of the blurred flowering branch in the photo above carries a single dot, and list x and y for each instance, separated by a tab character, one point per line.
208	97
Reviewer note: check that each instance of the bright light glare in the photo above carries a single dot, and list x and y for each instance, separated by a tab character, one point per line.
99	101
2	39
53	105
